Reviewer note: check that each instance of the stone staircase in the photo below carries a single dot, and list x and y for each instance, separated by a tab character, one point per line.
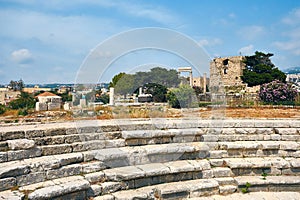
140	159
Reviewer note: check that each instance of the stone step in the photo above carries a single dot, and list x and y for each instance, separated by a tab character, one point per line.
24	149
73	187
254	195
180	190
156	173
290	129
34	170
269	183
212	189
256	166
136	155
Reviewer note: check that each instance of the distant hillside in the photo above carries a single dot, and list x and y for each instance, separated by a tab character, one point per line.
292	70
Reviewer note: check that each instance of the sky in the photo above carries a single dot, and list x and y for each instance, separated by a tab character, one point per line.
51	41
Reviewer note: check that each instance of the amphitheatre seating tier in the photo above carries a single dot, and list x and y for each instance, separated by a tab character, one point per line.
145	159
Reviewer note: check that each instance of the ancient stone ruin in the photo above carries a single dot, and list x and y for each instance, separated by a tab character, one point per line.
226	72
136	159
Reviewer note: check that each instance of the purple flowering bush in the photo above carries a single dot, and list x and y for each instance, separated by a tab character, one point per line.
277	92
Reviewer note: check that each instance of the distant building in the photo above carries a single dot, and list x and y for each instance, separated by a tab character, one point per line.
48	101
293	78
7	95
35	89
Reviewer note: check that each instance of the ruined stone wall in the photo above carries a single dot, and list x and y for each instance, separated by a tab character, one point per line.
226	71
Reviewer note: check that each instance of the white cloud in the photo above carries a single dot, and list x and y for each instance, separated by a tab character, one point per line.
134	8
293	18
22	56
251	32
246	50
210	42
231	15
291	32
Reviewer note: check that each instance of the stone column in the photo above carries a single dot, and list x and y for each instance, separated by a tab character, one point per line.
204	83
191	79
111	96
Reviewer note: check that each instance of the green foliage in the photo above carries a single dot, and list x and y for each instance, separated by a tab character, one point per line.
16	85
23	111
116	79
264	175
172	99
181	97
2	109
24	100
259	70
125	85
157	91
246	188
129	83
104	98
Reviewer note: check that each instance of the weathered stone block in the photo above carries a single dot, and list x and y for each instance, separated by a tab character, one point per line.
92	167
11	135
31	178
56	149
207	174
70	170
123	173
12	195
12	169
96	177
66	159
110	187
3	146
7	183
94	190
217	162
34	133
218	154
3	157
19	144
227	189
221	172
55	132
23	154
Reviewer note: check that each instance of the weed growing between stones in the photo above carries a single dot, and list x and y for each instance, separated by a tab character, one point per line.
246	188
264	175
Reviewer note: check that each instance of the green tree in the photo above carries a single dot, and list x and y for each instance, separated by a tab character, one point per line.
24	100
116	79
158	75
260	69
104	98
125	85
168	78
16	85
181	97
157	91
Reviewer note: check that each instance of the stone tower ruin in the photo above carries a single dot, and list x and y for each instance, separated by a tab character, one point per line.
226	72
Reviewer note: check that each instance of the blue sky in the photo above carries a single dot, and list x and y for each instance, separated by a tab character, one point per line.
48	41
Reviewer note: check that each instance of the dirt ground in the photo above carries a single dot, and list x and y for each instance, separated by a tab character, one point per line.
250	113
205	113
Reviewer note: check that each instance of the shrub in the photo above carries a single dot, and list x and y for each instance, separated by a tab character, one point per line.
181	97
2	109
277	92
24	100
23	112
